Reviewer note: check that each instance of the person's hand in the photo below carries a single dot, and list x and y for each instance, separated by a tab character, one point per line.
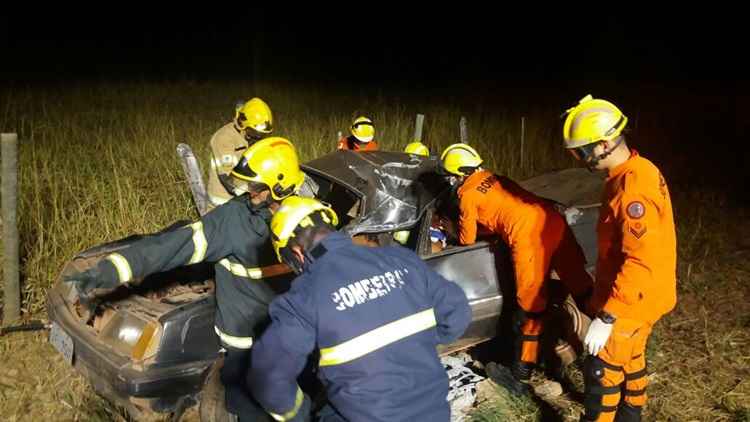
84	282
597	336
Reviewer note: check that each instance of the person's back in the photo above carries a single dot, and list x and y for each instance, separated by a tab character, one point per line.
375	314
501	205
227	146
385	297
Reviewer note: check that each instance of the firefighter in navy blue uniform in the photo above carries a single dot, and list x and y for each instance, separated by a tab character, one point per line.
235	236
376	315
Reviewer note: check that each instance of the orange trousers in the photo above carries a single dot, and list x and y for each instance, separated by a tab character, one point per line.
552	247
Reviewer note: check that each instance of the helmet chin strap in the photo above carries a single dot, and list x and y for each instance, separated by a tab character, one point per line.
594	161
290	259
298	266
264	204
251	136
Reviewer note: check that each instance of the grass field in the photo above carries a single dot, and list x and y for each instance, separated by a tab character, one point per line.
97	163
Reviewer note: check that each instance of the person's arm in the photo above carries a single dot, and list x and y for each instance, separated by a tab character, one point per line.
636	216
280	355
205	239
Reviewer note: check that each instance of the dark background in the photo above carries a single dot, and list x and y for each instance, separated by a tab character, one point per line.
375	45
684	68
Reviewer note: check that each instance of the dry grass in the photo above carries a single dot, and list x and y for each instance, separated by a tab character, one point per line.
97	163
697	356
35	385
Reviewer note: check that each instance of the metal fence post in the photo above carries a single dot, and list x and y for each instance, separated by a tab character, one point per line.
463	130
418	127
12	299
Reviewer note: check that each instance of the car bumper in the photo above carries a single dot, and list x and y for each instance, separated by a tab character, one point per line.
156	388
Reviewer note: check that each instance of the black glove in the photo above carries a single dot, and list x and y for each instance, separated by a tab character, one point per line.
85	282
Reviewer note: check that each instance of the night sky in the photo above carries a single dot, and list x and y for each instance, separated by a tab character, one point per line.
695	57
378	44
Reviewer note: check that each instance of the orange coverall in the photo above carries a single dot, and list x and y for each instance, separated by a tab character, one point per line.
635	281
351	143
539	239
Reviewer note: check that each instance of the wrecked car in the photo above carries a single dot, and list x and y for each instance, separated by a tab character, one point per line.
151	347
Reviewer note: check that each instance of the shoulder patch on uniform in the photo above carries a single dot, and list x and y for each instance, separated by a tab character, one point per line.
635	210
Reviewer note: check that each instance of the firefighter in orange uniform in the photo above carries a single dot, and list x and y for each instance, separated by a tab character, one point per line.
362	136
538	236
636	269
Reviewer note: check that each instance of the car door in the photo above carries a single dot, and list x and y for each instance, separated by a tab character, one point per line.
475	269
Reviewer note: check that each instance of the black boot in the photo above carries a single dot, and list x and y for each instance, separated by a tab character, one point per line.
522	370
628	413
504	377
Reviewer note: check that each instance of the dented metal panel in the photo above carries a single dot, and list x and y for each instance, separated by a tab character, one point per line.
395	188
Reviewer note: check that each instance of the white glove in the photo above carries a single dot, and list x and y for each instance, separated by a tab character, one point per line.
597	336
572	215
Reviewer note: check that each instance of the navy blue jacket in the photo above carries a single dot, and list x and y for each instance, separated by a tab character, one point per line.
376	315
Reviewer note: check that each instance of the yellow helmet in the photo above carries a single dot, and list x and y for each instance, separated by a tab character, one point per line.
592	120
459	158
417	148
363	129
271	162
253	119
296	211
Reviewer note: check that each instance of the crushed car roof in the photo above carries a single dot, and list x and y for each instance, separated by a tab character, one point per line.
395	188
